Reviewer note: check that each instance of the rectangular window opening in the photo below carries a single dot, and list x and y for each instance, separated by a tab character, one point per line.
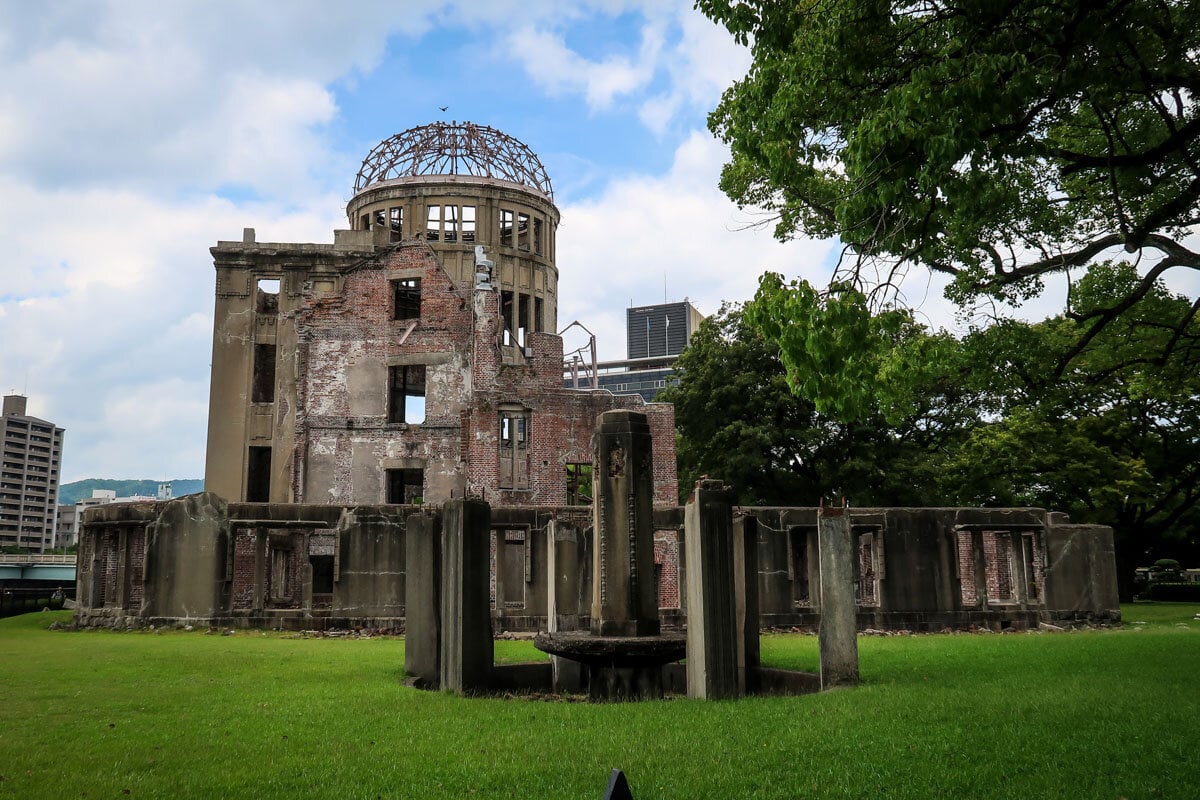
579	484
537	236
406	298
514	450
267	296
506	312
450	226
506	227
539	315
522	318
258	475
522	231
468	224
263	388
322	574
433	223
364	222
405	486
380	218
396	222
406	395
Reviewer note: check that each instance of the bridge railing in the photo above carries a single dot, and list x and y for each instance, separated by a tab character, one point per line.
36	558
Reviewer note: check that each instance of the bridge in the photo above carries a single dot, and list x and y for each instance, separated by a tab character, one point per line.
37	567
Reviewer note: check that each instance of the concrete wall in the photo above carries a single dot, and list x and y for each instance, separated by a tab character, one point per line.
196	559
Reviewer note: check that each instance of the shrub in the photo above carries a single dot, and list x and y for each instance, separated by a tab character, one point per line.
1174	592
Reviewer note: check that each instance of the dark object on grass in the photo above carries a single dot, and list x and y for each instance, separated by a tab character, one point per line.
618	787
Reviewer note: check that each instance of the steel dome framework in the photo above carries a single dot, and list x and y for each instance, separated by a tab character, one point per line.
453	149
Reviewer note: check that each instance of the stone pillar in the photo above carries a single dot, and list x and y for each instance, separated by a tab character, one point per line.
838	634
260	572
624	596
745	580
467	653
422	597
562	599
979	562
712	640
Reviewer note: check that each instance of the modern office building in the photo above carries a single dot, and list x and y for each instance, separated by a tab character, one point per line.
655	335
30	454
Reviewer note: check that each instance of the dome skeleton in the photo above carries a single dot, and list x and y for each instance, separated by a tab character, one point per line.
453	149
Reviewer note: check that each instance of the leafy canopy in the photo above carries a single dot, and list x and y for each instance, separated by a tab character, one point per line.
995	142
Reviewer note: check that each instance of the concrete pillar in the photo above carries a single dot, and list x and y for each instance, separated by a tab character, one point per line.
712	639
979	562
122	555
562	599
260	570
745	582
838	634
422	597
624	595
467	653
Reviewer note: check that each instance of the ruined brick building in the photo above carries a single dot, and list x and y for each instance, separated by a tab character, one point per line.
358	385
416	356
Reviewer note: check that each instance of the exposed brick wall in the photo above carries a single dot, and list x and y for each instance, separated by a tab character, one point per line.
666	558
136	569
242	589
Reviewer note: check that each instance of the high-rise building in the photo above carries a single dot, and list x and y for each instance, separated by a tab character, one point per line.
30	453
654	337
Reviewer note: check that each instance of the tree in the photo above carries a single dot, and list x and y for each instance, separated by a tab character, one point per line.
738	421
998	143
1114	440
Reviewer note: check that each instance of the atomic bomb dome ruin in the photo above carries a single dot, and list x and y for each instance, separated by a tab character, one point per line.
389	403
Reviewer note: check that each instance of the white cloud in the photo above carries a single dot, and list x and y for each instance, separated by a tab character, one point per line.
618	249
559	70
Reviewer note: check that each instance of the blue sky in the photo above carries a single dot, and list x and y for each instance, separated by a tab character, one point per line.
134	135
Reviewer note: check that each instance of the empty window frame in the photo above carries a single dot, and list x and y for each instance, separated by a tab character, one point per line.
405	486
396	223
539	314
406	394
522	231
322	574
406	298
450	223
514	449
258	475
263	386
506	227
579	484
433	223
267	296
364	222
380	219
468	224
537	236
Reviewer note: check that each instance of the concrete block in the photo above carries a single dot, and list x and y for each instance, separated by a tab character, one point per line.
422	597
467	651
712	637
838	634
745	581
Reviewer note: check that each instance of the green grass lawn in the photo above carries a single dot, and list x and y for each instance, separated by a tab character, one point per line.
1095	714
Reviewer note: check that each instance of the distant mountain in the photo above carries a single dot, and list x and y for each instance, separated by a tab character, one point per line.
71	493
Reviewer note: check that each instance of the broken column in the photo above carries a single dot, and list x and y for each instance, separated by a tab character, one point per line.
422	598
712	633
624	650
838	633
745	579
562	599
624	594
467	651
